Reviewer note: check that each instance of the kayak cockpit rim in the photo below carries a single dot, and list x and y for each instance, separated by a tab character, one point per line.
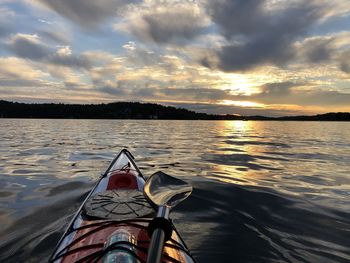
131	160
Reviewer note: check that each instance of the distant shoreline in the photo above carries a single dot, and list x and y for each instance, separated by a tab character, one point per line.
137	111
116	119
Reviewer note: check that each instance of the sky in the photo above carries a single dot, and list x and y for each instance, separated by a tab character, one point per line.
247	57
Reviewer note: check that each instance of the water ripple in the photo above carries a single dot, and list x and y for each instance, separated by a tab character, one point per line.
263	191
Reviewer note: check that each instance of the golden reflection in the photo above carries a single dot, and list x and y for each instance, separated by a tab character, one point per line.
241	127
238	149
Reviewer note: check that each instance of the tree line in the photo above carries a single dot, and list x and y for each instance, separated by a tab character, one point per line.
134	110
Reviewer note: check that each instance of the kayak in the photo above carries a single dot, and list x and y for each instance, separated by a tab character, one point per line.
112	224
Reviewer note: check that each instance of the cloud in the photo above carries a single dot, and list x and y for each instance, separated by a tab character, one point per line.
16	72
303	94
6	22
68	77
277	89
335	8
195	94
28	46
321	48
259	35
64	57
112	89
327	48
344	61
106	69
345	67
31	47
164	21
143	91
57	36
89	14
148	76
140	66
318	50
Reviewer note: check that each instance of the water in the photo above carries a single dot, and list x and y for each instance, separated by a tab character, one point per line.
263	191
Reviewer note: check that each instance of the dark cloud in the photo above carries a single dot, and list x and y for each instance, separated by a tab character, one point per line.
55	36
299	94
345	67
30	47
127	89
279	89
195	93
344	61
146	89
238	17
317	49
75	86
87	13
319	53
167	27
112	90
259	36
165	22
324	49
17	82
259	51
146	92
324	98
69	60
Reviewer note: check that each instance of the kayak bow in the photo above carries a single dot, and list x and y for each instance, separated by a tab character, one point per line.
113	222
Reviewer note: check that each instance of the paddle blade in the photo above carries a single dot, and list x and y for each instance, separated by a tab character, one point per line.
164	190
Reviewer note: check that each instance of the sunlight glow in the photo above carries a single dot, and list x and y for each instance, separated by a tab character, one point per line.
250	104
239	84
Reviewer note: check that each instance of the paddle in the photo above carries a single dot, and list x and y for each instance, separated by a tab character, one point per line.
164	192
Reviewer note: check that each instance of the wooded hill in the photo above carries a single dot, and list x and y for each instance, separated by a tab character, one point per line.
135	110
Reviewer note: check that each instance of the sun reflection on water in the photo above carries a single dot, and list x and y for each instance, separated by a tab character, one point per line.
237	153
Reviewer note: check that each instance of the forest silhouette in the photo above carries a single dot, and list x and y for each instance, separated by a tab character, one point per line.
135	110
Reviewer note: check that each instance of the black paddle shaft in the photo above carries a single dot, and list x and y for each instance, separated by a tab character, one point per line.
155	250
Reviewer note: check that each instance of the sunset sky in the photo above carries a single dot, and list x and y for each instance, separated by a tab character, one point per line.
273	57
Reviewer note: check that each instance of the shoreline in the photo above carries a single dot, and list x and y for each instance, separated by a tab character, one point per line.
138	111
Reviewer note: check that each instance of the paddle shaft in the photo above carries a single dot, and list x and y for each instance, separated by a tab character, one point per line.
155	250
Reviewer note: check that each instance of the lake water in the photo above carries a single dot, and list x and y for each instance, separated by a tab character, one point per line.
263	191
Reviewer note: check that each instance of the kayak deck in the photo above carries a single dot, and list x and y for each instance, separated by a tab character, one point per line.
114	217
88	244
